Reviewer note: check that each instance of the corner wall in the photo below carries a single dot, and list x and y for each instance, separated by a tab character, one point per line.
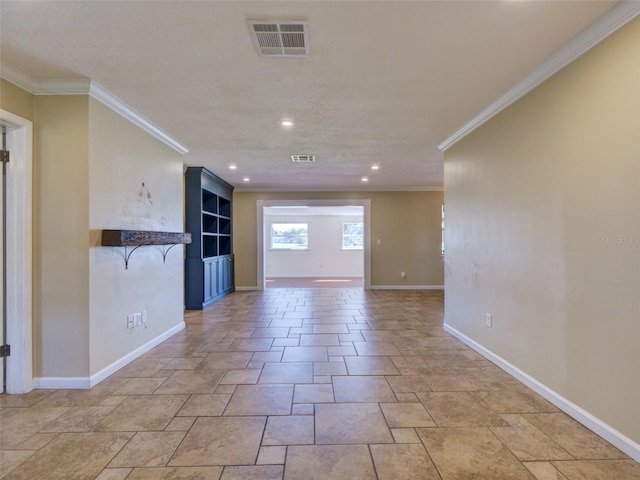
543	232
61	230
121	158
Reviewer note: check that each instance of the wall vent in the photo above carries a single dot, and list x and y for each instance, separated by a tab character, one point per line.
303	158
280	39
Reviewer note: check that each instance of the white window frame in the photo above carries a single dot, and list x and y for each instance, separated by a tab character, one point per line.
294	247
348	247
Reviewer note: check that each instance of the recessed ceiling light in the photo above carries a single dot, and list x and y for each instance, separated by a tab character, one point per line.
232	167
246	179
287	123
365	179
375	167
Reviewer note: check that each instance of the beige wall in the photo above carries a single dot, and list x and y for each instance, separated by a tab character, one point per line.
61	226
407	223
121	158
89	164
15	100
543	232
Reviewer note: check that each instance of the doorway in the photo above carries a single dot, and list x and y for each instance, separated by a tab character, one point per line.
283	209
17	232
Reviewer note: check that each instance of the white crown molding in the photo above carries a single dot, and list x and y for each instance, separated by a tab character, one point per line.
610	434
114	103
84	86
607	24
241	189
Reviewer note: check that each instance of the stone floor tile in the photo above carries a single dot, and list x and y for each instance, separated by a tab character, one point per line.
148	449
573	437
142	413
19	424
247	376
371	365
459	409
362	389
140	386
287	373
461	453
221	441
405	435
323	462
527	442
403	462
350	423
78	419
260	400
205	405
544	471
289	430
406	415
114	474
76	456
258	472
10	459
329	368
322	393
272	455
176	473
599	469
376	348
305	354
180	424
225	361
191	381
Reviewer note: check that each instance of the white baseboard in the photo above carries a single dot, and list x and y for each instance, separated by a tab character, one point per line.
64	383
83	383
325	275
407	287
245	289
610	434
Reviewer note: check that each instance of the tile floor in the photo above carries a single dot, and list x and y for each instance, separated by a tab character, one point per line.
304	384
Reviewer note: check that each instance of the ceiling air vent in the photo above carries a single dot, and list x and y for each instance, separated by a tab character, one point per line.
280	39
303	158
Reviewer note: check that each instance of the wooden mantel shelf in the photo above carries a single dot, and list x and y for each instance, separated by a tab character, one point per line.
136	238
139	238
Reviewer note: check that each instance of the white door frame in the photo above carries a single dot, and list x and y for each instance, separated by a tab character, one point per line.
19	252
261	204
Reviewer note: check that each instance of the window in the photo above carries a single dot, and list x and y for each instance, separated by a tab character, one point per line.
352	236
289	236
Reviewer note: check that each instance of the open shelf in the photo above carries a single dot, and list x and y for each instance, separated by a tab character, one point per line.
209	269
140	238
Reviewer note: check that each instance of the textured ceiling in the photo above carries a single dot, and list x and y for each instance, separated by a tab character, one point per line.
385	83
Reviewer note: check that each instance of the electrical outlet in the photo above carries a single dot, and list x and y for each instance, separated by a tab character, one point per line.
129	321
403	275
144	316
488	321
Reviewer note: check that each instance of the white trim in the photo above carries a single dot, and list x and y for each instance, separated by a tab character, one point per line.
246	289
407	287
131	356
114	103
607	24
327	275
607	432
66	383
83	383
261	231
85	86
19	253
353	188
